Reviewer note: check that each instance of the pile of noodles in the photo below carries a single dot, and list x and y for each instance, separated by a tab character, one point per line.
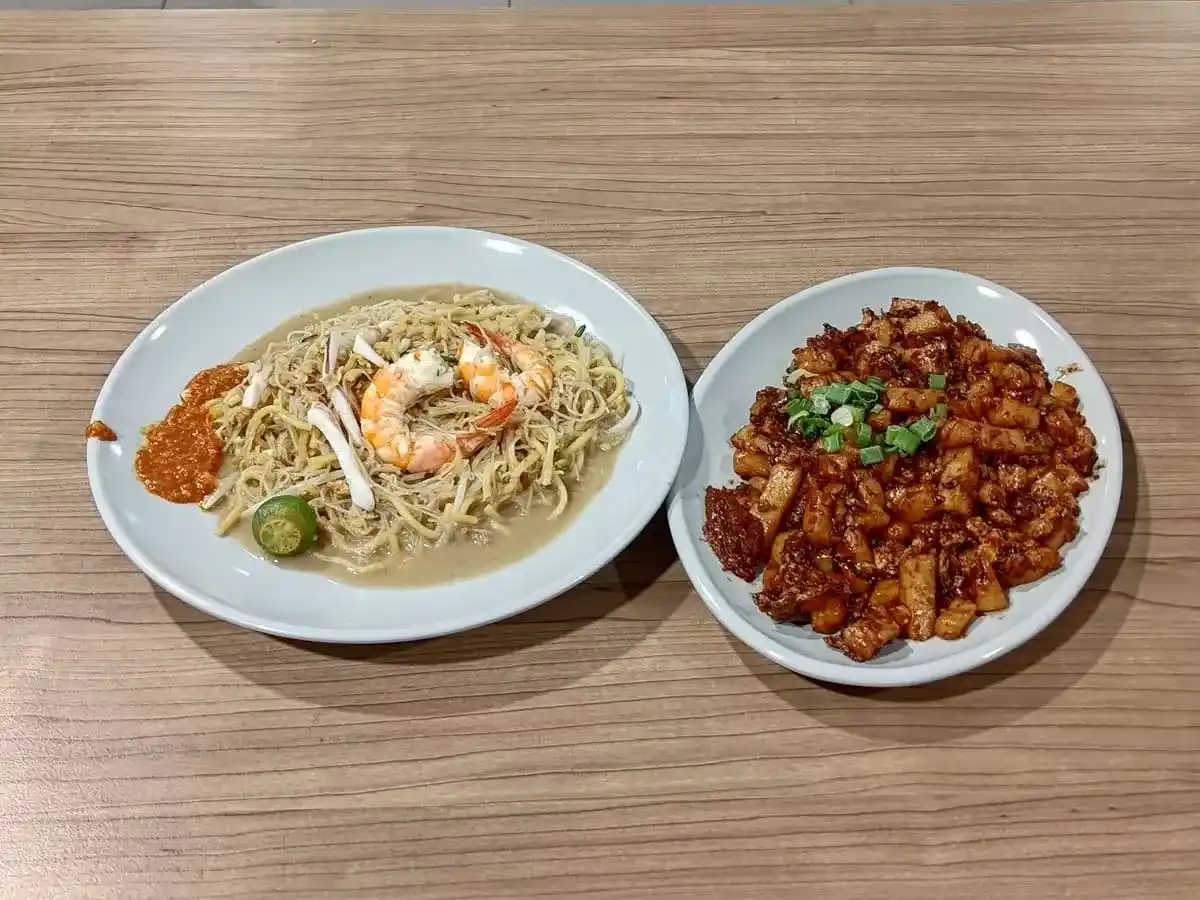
271	449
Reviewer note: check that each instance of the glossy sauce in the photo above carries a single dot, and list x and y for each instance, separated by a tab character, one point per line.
180	456
468	554
99	431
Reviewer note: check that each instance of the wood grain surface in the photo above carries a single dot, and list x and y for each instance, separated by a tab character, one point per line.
614	743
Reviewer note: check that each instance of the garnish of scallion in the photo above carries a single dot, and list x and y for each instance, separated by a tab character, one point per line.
847	415
834	415
902	439
871	456
923	429
862	434
837	392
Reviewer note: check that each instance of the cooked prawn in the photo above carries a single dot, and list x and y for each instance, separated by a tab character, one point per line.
489	382
398	386
385	404
428	452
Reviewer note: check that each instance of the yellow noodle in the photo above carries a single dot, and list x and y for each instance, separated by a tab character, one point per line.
542	453
548	459
231	517
579	443
562	498
321	463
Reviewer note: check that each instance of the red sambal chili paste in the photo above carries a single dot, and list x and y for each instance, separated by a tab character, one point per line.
99	431
182	454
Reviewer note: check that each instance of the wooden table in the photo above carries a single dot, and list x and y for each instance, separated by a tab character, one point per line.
614	743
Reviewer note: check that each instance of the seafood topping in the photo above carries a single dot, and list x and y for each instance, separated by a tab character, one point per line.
361	493
489	382
385	423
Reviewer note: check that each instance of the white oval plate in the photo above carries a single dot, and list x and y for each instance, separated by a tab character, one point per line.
758	356
175	545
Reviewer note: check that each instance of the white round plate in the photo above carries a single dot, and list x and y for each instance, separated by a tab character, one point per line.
759	354
175	544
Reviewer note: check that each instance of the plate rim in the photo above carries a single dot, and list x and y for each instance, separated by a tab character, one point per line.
546	591
863	675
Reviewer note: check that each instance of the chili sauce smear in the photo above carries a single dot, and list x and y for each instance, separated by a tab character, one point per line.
181	455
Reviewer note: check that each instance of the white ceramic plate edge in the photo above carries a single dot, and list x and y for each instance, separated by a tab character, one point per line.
1073	582
614	546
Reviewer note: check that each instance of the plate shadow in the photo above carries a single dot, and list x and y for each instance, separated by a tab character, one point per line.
544	649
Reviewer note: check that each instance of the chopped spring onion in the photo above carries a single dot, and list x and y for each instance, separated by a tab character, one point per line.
832	443
877	408
862	434
875	383
904	440
832	427
820	404
837	392
937	382
923	428
799	406
847	415
863	394
813	428
941	411
871	456
842	416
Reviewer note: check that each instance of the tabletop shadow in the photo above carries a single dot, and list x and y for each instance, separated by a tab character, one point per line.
692	365
1005	689
541	650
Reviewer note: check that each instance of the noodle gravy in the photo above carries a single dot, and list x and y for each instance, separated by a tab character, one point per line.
464	556
467	554
410	293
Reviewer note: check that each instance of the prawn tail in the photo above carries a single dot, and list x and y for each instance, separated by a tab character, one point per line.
493	340
472	442
479	334
496	417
